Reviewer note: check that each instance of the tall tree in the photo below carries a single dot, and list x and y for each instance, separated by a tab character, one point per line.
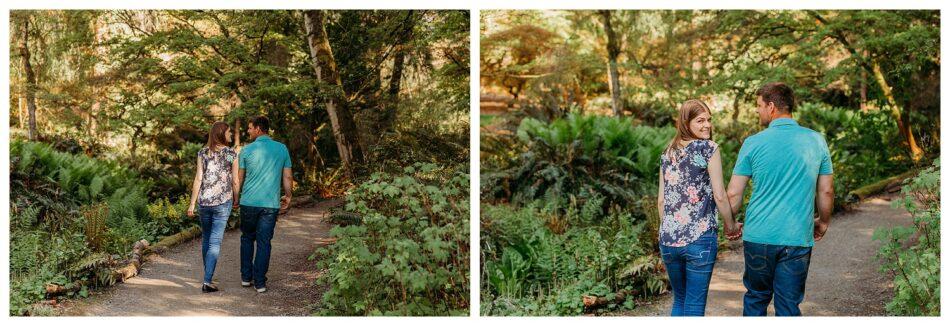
613	51
324	65
872	66
403	37
29	89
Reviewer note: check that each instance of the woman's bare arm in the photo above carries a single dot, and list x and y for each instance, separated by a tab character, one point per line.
196	187
236	182
719	192
659	195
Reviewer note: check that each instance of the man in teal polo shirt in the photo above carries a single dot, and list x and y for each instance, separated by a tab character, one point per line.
790	168
264	166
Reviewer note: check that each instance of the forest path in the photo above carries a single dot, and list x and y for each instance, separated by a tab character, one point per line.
843	278
169	284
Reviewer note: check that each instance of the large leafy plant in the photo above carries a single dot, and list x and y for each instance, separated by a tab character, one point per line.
912	254
407	254
578	158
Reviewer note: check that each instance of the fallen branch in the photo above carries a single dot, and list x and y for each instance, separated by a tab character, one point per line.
594	302
301	201
863	193
119	275
175	239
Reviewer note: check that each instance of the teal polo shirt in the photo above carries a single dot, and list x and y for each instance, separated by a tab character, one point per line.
784	162
263	162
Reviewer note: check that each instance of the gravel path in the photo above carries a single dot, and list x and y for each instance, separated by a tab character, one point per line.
170	284
843	279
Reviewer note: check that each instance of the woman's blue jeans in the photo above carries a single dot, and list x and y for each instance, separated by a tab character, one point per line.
214	219
690	269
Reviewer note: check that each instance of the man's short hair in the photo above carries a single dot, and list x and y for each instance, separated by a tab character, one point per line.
780	94
261	123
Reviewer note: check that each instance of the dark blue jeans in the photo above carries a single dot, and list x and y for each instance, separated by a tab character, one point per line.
690	269
778	270
257	228
213	221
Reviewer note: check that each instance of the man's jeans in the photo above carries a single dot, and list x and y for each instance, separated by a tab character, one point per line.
213	221
690	269
257	227
774	269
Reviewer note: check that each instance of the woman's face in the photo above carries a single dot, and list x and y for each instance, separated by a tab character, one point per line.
227	135
701	126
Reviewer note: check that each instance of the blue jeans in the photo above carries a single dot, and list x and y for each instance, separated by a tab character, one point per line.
214	219
690	269
778	270
257	227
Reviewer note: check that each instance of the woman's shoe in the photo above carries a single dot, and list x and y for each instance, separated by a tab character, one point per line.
208	288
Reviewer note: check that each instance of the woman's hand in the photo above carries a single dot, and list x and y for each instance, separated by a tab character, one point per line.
735	232
191	212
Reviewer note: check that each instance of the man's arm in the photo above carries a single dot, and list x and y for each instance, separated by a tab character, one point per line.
287	182
736	189
824	202
237	178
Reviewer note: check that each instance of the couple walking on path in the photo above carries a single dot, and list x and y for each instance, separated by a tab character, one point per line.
253	178
790	167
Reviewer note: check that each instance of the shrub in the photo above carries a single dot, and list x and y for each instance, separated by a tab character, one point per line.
912	254
408	255
533	266
578	158
72	218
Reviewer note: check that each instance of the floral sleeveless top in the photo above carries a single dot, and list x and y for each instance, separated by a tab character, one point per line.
689	210
216	183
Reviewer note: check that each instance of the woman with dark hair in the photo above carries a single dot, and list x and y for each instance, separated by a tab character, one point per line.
691	190
213	193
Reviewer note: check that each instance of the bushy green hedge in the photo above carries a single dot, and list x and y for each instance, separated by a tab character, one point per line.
912	254
407	252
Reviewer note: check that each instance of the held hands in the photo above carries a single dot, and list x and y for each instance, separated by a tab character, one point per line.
735	233
820	229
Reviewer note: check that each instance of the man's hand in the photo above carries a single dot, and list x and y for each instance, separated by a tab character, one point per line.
735	233
820	229
284	204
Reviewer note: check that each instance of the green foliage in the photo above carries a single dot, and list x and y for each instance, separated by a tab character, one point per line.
912	254
408	255
578	158
854	139
535	265
71	215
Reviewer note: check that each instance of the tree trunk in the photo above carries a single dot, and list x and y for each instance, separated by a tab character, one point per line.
237	133
405	36
916	153
341	120
30	87
21	110
613	51
864	91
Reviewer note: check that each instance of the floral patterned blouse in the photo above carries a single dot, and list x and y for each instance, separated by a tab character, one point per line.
216	181
689	210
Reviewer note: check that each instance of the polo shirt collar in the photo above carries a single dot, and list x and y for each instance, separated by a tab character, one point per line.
262	137
783	122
